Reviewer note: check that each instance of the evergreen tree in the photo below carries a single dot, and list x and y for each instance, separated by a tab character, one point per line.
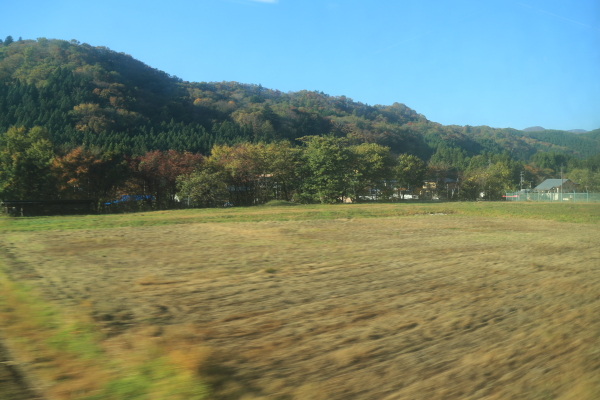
25	158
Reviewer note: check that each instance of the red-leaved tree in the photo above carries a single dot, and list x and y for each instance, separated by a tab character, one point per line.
155	174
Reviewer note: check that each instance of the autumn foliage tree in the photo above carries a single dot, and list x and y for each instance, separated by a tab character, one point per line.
257	172
485	181
155	174
89	174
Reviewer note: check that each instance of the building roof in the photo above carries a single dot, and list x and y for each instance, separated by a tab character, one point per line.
550	184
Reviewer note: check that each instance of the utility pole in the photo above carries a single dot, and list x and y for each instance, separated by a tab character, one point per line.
522	179
561	184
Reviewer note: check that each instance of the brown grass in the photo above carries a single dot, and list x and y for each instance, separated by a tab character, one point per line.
421	307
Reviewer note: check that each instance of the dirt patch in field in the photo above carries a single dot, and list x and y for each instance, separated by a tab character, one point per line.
419	307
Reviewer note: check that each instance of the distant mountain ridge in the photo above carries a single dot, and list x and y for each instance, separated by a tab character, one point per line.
93	95
539	129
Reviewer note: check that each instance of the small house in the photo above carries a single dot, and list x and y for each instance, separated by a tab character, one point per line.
557	189
556	186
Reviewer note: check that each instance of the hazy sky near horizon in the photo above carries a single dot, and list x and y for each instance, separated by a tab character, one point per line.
465	62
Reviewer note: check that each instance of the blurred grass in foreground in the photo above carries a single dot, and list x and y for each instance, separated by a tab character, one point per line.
70	354
70	363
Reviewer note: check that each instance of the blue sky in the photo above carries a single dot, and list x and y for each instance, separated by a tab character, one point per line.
465	62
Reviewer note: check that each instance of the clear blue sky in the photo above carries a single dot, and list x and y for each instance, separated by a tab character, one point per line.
500	63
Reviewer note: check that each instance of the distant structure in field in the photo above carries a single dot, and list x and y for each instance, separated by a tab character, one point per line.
556	186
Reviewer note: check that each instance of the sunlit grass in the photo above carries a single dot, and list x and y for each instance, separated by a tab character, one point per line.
340	289
578	213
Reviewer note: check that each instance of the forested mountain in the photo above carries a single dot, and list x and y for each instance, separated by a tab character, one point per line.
534	129
595	134
78	121
91	95
582	145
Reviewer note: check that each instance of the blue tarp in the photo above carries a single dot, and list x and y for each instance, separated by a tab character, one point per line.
134	197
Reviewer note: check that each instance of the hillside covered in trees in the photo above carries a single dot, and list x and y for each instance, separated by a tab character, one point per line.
92	95
66	102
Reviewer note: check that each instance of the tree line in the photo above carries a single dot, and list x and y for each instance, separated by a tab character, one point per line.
325	169
322	169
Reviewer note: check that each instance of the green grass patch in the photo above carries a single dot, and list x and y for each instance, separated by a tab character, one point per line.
577	213
21	307
280	203
155	379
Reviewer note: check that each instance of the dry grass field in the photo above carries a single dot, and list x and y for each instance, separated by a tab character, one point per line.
434	305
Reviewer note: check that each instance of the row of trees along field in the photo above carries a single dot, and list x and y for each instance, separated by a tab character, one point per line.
324	169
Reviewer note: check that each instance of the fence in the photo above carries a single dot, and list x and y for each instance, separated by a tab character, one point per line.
28	208
554	197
